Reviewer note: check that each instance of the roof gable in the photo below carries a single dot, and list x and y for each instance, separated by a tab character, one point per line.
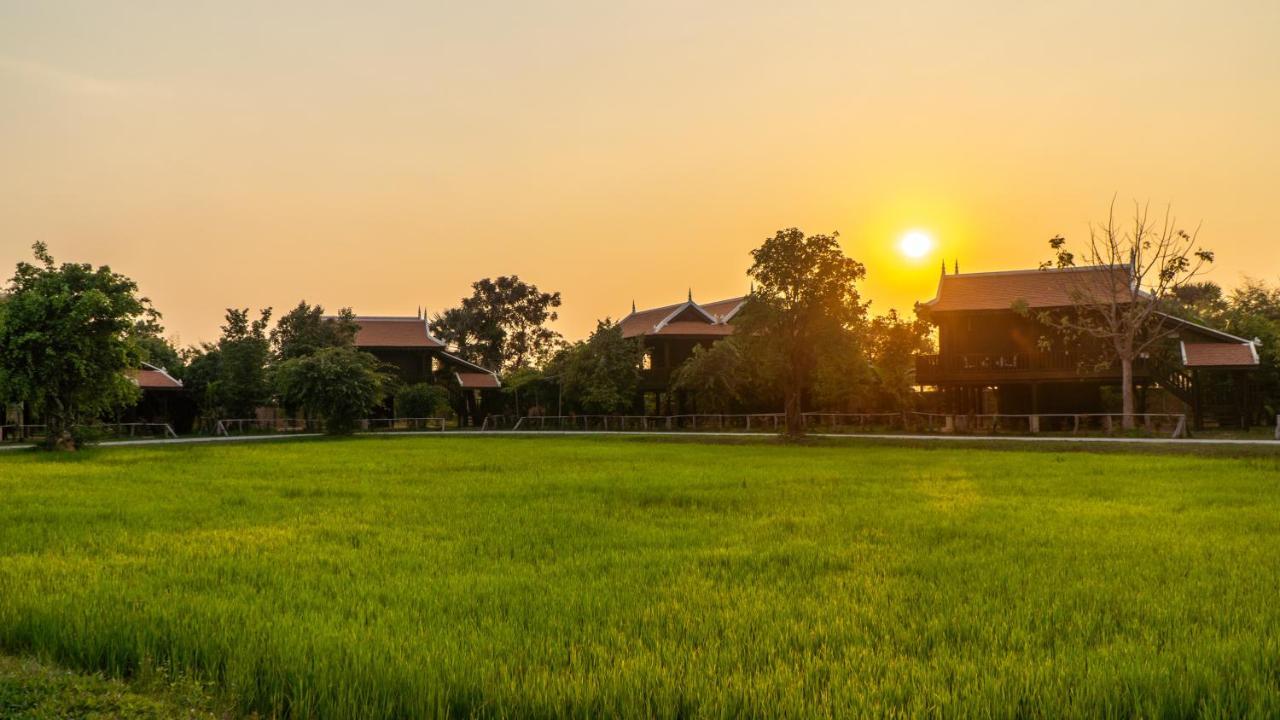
687	318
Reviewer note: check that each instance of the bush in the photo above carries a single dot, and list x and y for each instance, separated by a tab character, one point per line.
340	385
422	400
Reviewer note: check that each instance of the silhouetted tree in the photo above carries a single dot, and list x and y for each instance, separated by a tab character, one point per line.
503	325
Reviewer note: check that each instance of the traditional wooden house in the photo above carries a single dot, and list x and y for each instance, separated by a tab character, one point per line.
669	335
995	356
406	344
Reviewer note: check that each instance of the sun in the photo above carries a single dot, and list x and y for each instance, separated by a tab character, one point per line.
916	244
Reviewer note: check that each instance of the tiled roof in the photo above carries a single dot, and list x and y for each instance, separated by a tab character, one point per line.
151	377
688	319
478	380
1219	355
394	332
1037	288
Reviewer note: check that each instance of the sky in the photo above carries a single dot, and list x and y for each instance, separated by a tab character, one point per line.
384	155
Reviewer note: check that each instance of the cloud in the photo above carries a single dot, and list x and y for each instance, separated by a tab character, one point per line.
47	76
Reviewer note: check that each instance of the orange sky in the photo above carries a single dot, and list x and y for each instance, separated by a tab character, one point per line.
384	158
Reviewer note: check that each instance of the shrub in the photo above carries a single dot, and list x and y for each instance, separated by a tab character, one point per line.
340	385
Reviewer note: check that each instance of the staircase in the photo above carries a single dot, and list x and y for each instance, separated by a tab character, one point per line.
1175	380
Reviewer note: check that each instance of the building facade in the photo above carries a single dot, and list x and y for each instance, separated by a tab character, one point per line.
995	356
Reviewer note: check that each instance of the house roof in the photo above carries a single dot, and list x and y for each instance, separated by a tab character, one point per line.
394	332
477	380
1220	355
151	377
1050	288
687	319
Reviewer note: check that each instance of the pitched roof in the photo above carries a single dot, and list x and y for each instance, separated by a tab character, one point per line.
688	319
1048	288
150	377
1219	354
480	380
394	332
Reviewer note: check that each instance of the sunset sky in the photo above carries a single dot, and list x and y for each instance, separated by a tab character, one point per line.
383	155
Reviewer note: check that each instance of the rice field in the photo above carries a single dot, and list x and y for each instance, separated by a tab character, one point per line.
588	577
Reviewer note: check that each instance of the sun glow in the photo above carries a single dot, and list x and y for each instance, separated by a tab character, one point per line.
916	244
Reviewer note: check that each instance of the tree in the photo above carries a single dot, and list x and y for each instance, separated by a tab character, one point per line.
805	296
305	329
894	342
155	348
502	326
338	384
240	385
600	375
1148	264
67	343
422	400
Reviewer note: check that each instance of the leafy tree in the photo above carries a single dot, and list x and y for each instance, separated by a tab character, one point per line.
894	342
305	329
155	348
67	343
1152	261
600	375
240	385
805	297
503	325
422	400
339	384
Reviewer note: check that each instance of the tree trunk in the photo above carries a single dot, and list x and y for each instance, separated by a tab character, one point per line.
792	410
1126	392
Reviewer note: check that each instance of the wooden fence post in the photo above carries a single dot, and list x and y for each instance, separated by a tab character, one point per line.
1106	424
1034	424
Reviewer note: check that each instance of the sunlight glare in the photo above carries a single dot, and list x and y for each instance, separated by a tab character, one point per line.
916	244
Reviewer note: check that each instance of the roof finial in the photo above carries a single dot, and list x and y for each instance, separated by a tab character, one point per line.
690	294
419	312
753	288
957	269
633	307
944	266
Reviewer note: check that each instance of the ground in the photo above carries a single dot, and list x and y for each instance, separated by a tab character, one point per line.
434	576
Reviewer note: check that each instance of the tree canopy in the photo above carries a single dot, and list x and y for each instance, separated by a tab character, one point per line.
599	375
305	329
503	325
67	344
339	384
805	299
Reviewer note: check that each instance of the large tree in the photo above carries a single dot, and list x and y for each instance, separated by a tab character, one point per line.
503	325
67	343
893	343
234	371
805	297
1151	260
305	329
600	374
339	384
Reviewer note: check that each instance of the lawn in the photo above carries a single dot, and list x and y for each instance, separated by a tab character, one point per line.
417	577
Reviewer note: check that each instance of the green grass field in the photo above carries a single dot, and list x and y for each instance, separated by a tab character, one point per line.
417	577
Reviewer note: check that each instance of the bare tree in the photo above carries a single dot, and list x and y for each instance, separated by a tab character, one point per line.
1134	271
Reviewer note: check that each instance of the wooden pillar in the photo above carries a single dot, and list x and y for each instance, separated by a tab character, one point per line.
1197	403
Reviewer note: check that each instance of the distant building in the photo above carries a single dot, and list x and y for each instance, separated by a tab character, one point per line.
669	335
994	359
406	344
164	399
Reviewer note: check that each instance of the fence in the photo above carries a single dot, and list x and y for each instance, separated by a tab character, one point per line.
17	433
1173	423
1278	426
239	426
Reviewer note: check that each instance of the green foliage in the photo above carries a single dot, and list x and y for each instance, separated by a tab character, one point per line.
33	691
894	342
67	342
578	577
805	300
340	385
502	325
422	400
305	329
725	378
236	382
599	375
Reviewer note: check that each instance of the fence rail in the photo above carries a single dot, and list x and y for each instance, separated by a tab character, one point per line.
229	426
1173	423
13	433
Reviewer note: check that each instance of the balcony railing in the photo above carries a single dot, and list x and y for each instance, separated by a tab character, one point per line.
932	367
